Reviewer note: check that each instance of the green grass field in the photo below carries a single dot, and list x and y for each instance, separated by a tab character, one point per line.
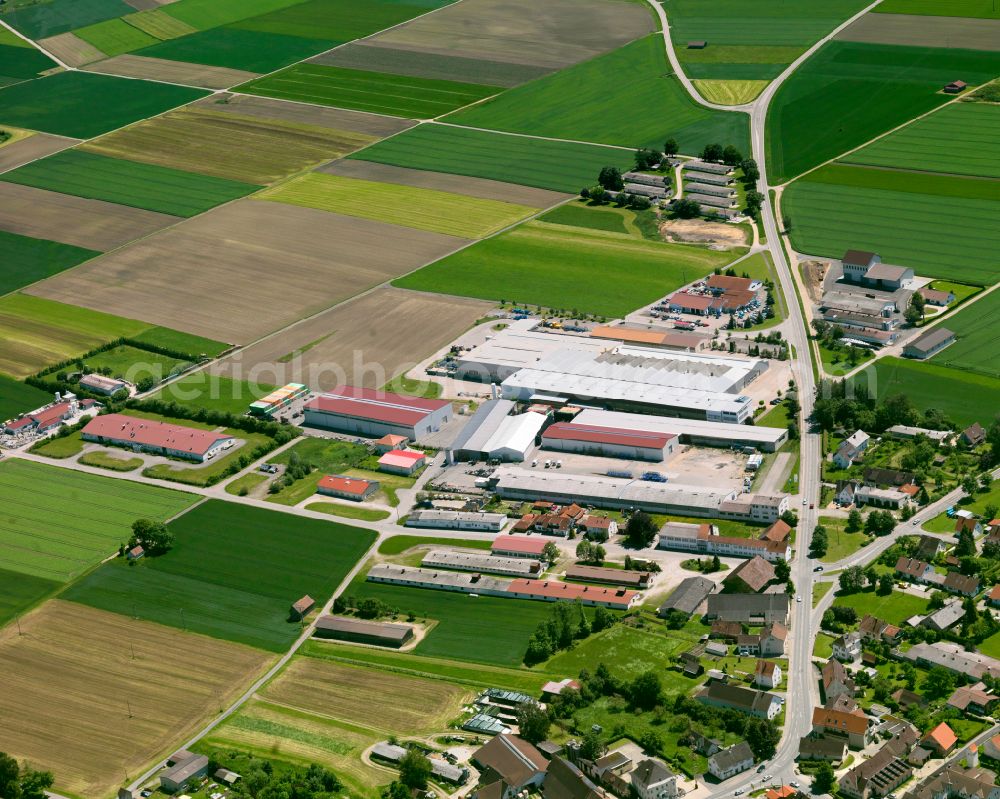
18	63
985	9
841	543
626	97
202	14
58	523
134	364
849	92
965	397
957	139
328	456
349	511
237	48
18	592
35	333
233	573
400	543
898	215
895	608
578	214
559	166
158	24
753	22
978	346
626	650
209	473
26	260
213	393
17	398
565	267
423	209
377	92
729	92
105	460
84	104
37	21
155	188
338	20
731	62
114	37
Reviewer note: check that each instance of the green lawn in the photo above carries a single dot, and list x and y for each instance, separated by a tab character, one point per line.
977	348
841	543
560	166
375	92
17	398
105	460
193	346
134	364
154	188
895	608
327	455
27	260
58	523
400	543
349	511
85	104
597	217
563	267
37	21
114	37
213	393
955	140
626	650
776	416
820	590
423	209
233	572
627	97
896	214
209	473
867	89
248	481
823	648
59	446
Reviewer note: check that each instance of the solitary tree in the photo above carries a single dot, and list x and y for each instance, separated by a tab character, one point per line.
640	530
670	147
854	521
152	536
414	769
884	584
533	722
550	552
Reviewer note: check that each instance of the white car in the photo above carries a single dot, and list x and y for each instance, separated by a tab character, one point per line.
804	501
798	598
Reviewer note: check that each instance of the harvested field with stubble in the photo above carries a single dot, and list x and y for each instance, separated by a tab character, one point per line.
552	34
228	145
421	209
407	705
37	145
71	49
324	348
92	224
140	66
180	276
442	181
174	683
966	33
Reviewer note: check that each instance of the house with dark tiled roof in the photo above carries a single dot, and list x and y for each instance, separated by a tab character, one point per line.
511	759
822	747
959	583
873	628
972	698
760	704
906	698
836	680
918	571
973	435
730	762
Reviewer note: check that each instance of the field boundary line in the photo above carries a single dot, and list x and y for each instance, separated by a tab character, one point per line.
38	47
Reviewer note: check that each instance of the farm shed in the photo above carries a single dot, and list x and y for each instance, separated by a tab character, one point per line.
481	562
100	384
352	488
930	343
608	576
343	628
519	546
301	607
181	773
688	595
376	413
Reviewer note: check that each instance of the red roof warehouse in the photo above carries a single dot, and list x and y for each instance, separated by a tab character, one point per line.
159	437
553	590
519	546
371	412
609	441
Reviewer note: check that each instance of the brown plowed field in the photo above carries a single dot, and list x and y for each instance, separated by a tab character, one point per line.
138	66
457	184
305	114
373	698
66	681
552	34
32	148
362	342
228	145
909	29
71	50
246	269
94	224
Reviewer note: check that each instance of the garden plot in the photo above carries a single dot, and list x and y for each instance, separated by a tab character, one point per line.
140	66
328	350
292	262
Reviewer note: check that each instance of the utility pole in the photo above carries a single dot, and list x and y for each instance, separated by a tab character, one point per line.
18	620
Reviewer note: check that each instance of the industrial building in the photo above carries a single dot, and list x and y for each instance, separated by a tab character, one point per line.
667	339
930	343
496	433
186	768
457	520
481	562
278	400
344	628
610	442
691	431
644	380
375	413
402	461
160	438
99	384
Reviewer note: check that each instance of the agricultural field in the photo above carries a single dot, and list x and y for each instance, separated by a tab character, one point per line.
20	149
48	19
35	333
226	145
423	209
19	592
895	608
202	14
737	62
19	61
154	188
562	267
77	221
17	398
213	393
375	92
71	49
978	346
27	260
730	92
114	37
984	9
94	661
82	105
908	29
130	65
957	140
58	523
322	351
158	24
897	214
558	166
231	573
963	396
869	88
323	259
578	214
134	364
626	97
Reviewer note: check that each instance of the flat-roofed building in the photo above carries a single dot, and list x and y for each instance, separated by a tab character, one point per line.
159	438
602	574
648	337
279	399
481	562
438	580
376	413
457	520
379	633
610	442
930	343
495	432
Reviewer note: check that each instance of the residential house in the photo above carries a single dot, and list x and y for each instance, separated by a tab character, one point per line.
653	780
704	745
994	596
941	740
991	748
748	608
784	792
917	571
755	703
959	583
935	297
955	782
767	674
779	532
844	492
748	645
730	762
945	617
851	449
836	680
853	726
843	703
906	699
970	523
726	630
929	547
822	747
879	775
511	759
881	497
772	640
954	658
973	435
750	577
972	698
597	528
873	628
847	647
565	781
893	478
